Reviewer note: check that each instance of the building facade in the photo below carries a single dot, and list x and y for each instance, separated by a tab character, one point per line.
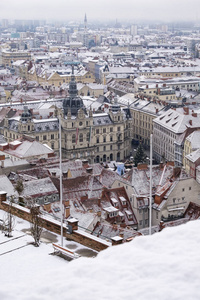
168	129
84	134
8	57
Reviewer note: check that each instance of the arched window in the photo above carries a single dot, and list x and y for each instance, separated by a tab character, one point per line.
73	138
118	156
80	137
88	137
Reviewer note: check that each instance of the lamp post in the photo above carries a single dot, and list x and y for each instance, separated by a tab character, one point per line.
61	193
150	192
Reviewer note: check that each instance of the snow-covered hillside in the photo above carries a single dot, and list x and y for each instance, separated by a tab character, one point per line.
163	266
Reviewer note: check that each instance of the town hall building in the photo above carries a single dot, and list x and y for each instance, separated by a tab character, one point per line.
98	137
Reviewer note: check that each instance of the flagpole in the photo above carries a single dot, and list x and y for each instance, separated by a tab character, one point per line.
150	192
61	191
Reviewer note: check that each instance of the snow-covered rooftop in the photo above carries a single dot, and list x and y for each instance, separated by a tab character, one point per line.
171	255
177	121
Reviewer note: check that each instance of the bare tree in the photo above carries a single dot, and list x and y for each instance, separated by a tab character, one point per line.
9	220
36	223
19	188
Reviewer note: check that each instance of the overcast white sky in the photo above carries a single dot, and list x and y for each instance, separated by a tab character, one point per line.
133	10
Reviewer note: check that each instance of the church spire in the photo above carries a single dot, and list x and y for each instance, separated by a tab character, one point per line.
85	22
85	19
72	85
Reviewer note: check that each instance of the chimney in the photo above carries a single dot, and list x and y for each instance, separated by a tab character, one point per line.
156	110
67	209
4	147
170	163
84	197
73	223
99	214
194	114
2	157
65	173
85	163
89	170
99	202
141	166
2	196
176	172
116	240
161	225
121	235
186	110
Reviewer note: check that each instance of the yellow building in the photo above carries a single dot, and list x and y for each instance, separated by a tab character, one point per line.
11	56
56	78
143	112
191	144
142	124
90	89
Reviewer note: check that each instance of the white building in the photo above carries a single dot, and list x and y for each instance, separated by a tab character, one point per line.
167	129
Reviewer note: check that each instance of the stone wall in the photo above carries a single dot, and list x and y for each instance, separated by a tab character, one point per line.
54	226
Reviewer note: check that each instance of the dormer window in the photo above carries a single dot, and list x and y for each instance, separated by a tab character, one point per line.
123	200
114	202
113	214
129	214
111	211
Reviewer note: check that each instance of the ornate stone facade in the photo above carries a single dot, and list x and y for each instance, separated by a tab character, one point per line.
98	137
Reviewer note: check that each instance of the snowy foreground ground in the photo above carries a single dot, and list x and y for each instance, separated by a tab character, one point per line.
163	266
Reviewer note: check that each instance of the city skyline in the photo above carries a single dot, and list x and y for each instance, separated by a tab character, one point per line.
133	11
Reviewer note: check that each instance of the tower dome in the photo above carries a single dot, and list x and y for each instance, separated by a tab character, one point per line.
73	102
26	115
115	106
